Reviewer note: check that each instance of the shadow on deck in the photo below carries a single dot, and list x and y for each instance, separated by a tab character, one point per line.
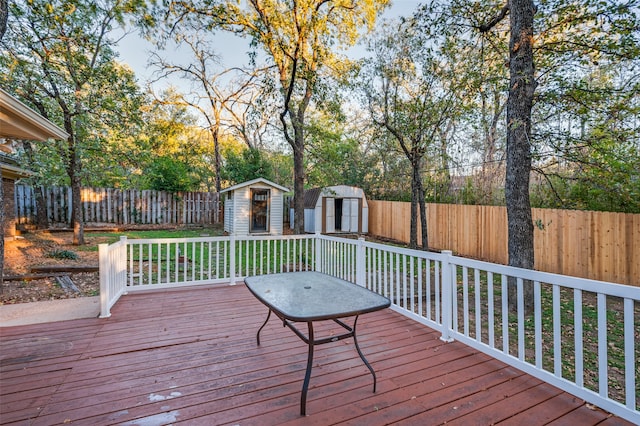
190	356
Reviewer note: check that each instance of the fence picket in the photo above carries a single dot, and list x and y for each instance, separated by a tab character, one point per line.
122	207
596	245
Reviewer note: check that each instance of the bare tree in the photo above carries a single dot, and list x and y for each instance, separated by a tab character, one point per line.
299	39
409	94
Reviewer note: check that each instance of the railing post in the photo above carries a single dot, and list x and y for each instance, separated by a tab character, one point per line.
232	260
361	278
104	275
448	293
318	262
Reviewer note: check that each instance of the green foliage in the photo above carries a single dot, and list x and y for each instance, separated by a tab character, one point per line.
59	58
63	254
169	174
335	158
247	165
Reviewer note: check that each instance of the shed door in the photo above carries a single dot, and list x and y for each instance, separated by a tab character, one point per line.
330	209
345	222
353	214
259	221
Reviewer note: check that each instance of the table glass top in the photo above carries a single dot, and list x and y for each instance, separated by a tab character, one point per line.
312	296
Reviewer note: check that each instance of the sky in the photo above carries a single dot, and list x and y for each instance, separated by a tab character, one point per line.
134	50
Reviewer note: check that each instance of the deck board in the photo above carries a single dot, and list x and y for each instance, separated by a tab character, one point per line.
190	357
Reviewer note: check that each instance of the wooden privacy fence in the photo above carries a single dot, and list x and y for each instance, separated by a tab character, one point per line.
122	207
597	245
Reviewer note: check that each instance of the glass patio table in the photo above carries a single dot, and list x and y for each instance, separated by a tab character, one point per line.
297	297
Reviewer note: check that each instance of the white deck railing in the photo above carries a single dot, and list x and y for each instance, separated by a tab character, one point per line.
581	336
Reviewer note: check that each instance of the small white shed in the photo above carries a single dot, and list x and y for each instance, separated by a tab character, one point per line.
336	209
254	207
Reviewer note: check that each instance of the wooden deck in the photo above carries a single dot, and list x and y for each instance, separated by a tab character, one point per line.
190	357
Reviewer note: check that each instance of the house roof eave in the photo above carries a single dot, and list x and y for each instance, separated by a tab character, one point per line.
18	121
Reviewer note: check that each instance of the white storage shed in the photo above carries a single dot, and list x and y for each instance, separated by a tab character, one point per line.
335	209
254	207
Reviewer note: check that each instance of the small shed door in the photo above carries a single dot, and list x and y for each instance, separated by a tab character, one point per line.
331	215
345	222
353	214
259	221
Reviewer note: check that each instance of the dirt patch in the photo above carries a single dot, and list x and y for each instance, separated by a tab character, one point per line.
39	248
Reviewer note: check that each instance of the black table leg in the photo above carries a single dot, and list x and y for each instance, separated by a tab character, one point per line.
260	329
307	376
355	340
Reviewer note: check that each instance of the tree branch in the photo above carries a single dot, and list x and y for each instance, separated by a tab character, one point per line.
496	19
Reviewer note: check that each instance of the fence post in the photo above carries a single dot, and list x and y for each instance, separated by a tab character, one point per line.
104	274
360	263
232	259
448	293
318	265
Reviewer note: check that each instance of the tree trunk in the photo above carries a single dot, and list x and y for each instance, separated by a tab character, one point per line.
519	105
215	133
415	179
423	215
1	235
298	189
76	212
4	14
73	170
297	144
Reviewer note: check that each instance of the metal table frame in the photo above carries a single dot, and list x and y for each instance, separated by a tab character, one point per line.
288	320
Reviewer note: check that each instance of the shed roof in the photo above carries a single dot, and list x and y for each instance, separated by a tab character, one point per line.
311	195
253	182
18	121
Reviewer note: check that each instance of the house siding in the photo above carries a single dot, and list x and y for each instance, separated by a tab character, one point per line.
229	213
276	215
242	211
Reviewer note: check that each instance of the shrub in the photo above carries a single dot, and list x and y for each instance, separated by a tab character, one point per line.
62	254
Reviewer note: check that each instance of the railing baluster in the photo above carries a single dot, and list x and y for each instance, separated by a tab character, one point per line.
630	366
193	259
427	297
140	266
403	272
150	271
168	262
603	382
438	300
578	336
505	315
521	342
557	343
465	300
491	310
420	293
254	244
478	309
537	309
159	277
397	278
